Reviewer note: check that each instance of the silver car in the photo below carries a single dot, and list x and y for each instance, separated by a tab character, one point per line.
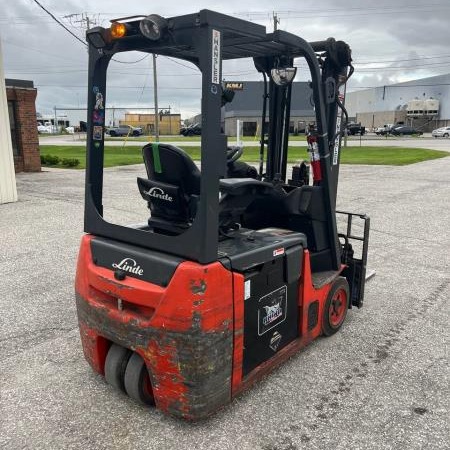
441	132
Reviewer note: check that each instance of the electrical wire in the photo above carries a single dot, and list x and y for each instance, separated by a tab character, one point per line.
59	22
131	62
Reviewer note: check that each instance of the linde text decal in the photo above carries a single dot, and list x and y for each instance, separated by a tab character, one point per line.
215	57
157	192
129	265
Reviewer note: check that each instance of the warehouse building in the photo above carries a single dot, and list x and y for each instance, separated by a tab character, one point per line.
169	124
247	108
423	104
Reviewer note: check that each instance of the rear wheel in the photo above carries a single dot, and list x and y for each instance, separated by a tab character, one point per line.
112	133
446	135
336	307
137	381
116	364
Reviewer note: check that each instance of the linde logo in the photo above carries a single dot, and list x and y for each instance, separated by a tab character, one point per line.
129	265
272	313
157	192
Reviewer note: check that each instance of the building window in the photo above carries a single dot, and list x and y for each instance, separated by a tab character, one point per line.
12	124
249	128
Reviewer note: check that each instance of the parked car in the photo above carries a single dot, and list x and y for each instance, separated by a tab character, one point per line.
46	128
124	130
385	129
403	130
441	132
191	130
355	128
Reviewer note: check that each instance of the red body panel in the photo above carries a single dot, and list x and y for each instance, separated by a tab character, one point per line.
190	333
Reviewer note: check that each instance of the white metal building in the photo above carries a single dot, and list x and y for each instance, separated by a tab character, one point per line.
389	104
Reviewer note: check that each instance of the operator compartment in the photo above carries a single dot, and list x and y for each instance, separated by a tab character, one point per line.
270	261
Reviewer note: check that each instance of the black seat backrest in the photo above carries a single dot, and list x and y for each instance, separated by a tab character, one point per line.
171	165
172	188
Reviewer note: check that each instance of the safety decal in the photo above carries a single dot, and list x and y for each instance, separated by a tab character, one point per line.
247	289
337	143
272	310
275	341
278	251
97	134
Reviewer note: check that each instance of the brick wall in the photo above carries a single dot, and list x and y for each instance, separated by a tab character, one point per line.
29	159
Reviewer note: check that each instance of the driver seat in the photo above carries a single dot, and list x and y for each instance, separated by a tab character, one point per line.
172	188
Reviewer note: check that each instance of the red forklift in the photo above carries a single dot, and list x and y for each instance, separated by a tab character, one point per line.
236	268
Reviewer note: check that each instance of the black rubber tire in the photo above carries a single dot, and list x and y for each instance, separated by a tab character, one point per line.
340	286
115	365
446	135
112	133
137	381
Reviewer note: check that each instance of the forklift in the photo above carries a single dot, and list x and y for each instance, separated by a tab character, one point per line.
236	269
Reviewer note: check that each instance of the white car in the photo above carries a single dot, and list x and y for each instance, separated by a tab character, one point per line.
44	129
441	132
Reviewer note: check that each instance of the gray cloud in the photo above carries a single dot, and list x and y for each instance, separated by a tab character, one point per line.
36	48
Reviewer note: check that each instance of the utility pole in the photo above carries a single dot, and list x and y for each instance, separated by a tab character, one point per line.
85	22
276	21
155	92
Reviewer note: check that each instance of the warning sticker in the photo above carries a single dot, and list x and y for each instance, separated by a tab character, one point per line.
247	289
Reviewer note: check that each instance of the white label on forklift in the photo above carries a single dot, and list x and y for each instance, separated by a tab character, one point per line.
337	142
247	289
215	57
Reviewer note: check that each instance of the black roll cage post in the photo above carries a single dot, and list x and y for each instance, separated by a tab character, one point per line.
205	38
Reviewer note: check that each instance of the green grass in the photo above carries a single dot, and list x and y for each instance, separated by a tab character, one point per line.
179	138
395	156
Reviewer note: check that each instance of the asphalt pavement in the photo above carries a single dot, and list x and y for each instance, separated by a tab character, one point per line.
380	383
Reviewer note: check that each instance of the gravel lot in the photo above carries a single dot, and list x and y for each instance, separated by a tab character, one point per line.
381	383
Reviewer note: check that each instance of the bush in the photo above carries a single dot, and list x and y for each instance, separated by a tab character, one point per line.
70	162
49	160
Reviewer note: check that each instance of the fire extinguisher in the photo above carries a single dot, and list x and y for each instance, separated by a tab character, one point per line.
313	150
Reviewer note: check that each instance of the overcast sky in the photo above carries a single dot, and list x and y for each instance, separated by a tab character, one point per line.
391	42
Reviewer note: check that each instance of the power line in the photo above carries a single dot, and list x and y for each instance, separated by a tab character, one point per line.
60	23
180	64
131	62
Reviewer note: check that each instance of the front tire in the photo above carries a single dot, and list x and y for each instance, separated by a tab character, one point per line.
336	307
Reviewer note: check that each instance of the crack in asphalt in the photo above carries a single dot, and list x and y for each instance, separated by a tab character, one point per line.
327	406
14	345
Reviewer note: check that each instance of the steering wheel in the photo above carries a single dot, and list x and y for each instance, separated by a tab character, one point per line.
234	153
